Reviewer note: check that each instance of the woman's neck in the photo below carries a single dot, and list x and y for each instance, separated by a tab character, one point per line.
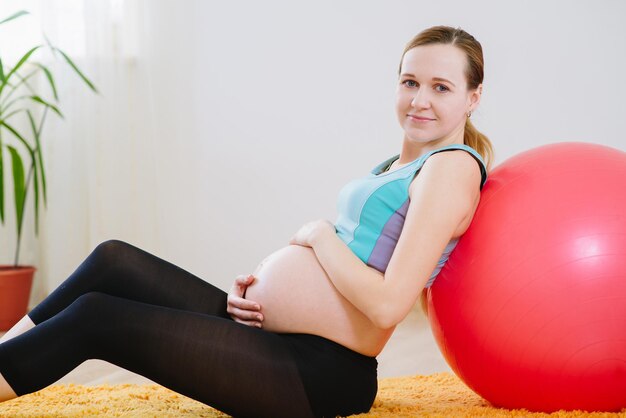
411	150
411	153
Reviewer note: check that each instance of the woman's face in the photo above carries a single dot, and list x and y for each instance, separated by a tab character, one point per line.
432	85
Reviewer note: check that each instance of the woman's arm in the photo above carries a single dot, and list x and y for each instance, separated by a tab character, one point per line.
443	196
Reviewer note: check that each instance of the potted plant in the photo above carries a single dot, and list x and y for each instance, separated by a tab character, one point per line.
23	104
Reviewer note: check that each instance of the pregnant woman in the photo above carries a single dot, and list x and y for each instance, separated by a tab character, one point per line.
300	335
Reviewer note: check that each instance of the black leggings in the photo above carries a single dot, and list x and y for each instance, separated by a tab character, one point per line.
137	311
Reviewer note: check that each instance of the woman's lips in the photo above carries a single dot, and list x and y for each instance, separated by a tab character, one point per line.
419	118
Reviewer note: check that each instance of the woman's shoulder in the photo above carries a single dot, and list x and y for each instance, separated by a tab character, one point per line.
448	170
455	161
459	159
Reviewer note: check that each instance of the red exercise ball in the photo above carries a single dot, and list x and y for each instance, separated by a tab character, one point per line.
530	309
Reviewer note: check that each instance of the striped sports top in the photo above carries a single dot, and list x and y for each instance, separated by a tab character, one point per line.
371	210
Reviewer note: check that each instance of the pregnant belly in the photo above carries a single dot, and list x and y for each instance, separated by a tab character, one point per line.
296	296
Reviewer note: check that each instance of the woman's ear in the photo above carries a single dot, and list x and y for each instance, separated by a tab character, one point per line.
475	96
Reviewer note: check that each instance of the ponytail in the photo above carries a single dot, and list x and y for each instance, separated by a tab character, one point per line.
474	139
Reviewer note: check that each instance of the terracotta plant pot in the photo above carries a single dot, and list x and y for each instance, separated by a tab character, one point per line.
15	285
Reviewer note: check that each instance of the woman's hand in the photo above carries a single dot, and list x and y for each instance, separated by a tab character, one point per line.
309	232
240	309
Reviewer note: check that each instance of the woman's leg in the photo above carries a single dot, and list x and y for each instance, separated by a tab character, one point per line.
241	370
121	269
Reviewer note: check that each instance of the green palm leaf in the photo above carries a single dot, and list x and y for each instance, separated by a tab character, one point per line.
52	49
21	62
15	112
24	58
17	135
14	16
19	187
33	167
50	79
80	74
8	105
47	104
37	167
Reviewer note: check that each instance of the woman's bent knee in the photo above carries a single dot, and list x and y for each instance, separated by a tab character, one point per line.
113	255
112	249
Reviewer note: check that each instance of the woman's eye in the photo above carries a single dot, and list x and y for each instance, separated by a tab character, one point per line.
413	83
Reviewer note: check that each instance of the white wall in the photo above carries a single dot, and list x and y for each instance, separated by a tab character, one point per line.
224	126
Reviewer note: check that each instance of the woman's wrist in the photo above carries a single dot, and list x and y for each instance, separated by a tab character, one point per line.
324	230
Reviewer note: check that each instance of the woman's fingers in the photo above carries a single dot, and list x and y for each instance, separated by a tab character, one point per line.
244	309
240	309
244	280
244	304
249	323
241	284
246	315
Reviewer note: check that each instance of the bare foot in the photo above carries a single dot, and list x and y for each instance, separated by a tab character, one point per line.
6	392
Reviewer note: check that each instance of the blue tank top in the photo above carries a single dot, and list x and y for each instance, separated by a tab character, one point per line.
371	210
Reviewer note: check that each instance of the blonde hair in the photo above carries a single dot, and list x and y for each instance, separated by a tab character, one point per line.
473	74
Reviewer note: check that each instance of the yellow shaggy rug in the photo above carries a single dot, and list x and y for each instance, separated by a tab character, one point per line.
437	395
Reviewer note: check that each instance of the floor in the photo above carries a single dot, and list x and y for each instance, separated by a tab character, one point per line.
411	350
